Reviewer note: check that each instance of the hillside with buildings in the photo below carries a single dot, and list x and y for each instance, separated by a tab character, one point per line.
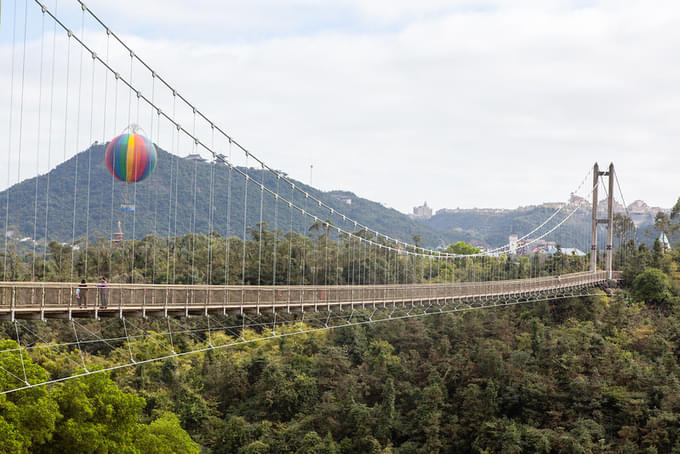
493	227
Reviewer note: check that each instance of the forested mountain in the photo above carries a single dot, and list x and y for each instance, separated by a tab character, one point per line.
176	199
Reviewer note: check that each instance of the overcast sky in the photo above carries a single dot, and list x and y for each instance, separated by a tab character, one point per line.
495	103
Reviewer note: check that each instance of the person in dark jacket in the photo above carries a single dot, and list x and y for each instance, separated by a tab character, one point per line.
81	294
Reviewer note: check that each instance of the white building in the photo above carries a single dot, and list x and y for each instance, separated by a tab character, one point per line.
195	157
513	239
665	244
422	212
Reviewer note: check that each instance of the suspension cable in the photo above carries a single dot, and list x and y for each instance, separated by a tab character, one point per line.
424	252
203	117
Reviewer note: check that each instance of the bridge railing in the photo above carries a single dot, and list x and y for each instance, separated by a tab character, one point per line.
156	296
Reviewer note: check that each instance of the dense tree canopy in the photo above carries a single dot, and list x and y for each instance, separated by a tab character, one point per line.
652	286
591	374
88	415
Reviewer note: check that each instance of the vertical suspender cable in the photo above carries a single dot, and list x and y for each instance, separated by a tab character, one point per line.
360	260
77	140
245	215
276	230
304	240
154	179
227	243
339	272
155	209
352	240
377	249
316	254
208	278
66	102
172	187
104	105
21	102
314	259
113	180
192	234
327	234
291	235
134	213
9	142
134	190
89	171
397	259
259	242
176	204
37	148
367	260
388	252
49	145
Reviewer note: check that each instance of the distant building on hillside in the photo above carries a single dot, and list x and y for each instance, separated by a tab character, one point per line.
195	157
513	240
343	196
422	212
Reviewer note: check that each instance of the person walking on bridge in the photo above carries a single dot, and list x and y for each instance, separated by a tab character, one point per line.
103	292
81	293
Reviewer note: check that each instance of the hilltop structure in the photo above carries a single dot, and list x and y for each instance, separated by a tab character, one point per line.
422	212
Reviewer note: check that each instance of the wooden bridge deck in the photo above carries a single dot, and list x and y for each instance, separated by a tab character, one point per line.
43	300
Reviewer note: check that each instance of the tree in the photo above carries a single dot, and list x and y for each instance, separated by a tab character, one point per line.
237	433
27	418
624	228
165	435
256	447
313	444
663	223
675	211
652	286
462	248
97	417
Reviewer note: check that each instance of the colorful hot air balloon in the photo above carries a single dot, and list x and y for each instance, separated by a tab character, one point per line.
130	157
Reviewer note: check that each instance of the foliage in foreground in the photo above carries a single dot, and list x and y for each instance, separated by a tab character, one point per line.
88	415
582	375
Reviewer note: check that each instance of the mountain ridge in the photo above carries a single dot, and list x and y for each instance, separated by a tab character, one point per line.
177	199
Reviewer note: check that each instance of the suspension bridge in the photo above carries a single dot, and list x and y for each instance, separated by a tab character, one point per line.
74	82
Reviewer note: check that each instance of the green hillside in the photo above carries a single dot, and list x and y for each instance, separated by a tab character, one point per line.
176	199
492	227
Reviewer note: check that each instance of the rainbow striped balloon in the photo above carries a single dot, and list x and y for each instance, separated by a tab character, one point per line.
130	157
